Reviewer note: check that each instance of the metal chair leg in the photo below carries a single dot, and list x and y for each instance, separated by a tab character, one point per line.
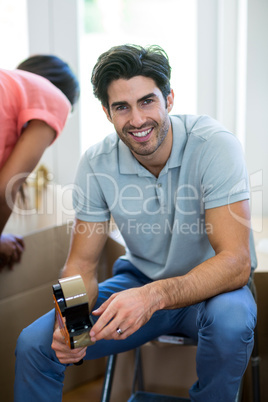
255	364
138	372
109	374
239	393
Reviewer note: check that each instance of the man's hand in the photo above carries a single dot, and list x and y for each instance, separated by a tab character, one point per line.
62	350
127	310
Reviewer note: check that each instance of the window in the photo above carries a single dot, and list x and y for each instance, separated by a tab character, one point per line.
172	24
13	33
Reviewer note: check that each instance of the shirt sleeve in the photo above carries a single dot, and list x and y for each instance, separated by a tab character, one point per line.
40	99
223	173
88	199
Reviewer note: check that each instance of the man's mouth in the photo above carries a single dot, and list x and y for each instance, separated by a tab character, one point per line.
141	134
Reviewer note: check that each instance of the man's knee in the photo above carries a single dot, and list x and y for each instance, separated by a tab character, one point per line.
36	337
24	344
28	343
230	316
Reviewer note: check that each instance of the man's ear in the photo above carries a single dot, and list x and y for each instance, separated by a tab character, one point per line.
106	111
170	100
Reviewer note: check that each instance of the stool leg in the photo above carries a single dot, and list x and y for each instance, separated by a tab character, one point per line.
239	393
138	372
255	364
108	379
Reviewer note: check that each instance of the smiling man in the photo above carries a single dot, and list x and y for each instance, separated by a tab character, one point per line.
139	114
178	191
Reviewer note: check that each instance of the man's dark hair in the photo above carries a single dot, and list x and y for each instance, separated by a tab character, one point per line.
56	71
128	61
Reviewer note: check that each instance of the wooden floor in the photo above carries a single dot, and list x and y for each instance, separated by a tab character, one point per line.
90	392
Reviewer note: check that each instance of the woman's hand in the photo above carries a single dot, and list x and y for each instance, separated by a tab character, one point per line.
11	249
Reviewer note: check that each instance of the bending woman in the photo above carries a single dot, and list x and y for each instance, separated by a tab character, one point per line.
35	100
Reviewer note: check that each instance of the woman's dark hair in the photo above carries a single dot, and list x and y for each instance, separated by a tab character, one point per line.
56	71
128	61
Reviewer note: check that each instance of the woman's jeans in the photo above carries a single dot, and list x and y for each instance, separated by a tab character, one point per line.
223	326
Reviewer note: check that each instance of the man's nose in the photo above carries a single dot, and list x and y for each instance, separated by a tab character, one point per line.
137	118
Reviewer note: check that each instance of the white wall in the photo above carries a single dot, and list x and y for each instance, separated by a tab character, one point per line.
207	58
54	27
233	80
217	60
257	99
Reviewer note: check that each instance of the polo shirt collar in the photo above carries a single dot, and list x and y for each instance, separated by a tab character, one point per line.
128	164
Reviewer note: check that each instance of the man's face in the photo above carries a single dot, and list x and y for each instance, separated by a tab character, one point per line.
139	113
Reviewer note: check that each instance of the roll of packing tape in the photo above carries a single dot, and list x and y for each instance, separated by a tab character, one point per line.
72	310
74	290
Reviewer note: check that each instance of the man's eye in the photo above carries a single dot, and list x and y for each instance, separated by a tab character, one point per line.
122	107
147	101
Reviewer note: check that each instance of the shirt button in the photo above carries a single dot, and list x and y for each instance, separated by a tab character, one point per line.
159	185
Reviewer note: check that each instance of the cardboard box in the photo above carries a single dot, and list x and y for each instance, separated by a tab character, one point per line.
26	294
167	369
261	283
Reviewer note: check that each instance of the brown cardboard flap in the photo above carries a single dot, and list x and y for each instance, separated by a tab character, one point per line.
45	254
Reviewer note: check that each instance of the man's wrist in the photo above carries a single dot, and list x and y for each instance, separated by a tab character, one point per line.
156	294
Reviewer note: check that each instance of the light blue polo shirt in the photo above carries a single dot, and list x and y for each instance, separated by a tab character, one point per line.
162	220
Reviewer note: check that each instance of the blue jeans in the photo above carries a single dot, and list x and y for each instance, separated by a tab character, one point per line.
223	325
